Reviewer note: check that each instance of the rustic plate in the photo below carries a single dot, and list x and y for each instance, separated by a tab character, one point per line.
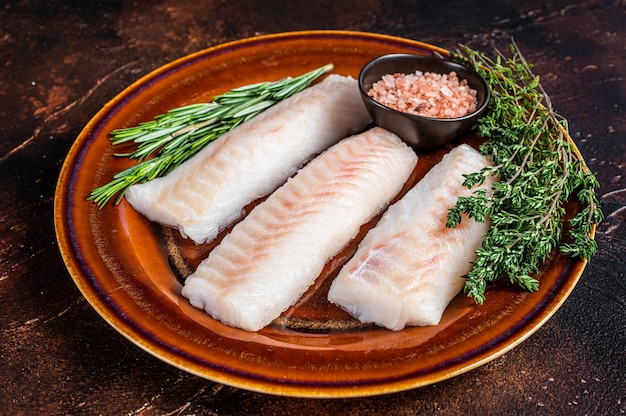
130	269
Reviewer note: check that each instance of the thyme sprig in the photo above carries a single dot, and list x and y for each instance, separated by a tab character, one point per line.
538	171
172	138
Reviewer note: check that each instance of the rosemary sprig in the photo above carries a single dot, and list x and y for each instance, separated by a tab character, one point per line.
538	171
171	138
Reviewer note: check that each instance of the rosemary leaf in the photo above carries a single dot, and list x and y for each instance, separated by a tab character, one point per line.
172	138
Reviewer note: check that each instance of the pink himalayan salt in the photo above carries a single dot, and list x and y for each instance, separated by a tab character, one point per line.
426	94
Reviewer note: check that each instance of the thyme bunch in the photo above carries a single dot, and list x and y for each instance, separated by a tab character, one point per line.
538	171
174	137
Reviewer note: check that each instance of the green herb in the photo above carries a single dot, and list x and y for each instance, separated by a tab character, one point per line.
174	137
538	171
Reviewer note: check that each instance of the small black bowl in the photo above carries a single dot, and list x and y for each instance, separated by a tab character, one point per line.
423	133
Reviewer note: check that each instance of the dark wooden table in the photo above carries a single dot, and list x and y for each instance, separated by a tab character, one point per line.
61	61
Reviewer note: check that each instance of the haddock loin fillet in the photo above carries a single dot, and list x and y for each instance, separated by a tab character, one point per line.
276	252
208	192
409	267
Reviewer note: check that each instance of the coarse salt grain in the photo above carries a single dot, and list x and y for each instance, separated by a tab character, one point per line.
426	94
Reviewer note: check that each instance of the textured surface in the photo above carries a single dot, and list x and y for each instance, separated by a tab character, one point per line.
63	60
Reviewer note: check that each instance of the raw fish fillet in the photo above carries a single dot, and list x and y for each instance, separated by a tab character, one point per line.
273	255
409	267
208	192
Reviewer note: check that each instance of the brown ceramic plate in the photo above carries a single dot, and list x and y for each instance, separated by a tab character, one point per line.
130	269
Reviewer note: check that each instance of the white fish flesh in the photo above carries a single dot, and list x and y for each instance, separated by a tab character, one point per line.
208	192
277	251
409	267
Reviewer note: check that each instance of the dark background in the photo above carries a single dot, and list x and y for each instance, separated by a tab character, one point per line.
61	61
